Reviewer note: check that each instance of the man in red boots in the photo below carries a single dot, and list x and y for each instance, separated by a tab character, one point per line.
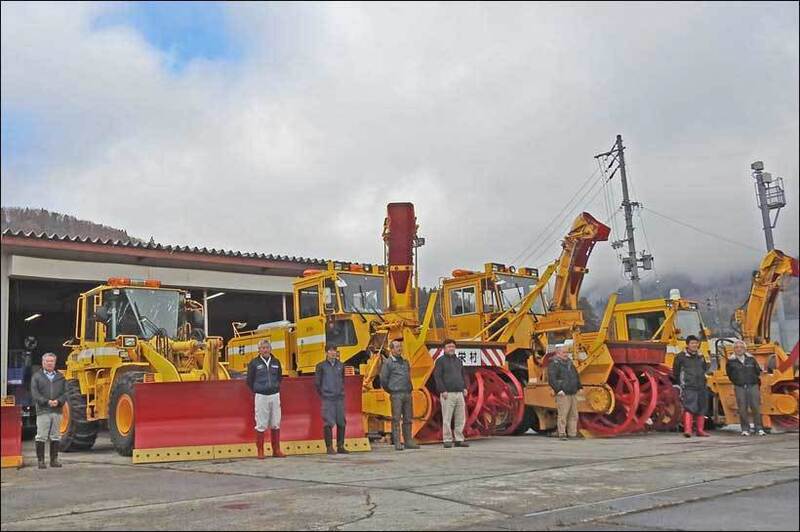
689	369
264	375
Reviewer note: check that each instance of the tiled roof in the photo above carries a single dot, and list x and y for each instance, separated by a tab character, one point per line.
160	247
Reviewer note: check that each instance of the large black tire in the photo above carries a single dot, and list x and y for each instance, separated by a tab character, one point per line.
123	389
79	434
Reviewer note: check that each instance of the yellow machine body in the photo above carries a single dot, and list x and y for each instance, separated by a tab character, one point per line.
136	330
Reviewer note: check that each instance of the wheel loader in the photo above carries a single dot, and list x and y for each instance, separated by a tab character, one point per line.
127	332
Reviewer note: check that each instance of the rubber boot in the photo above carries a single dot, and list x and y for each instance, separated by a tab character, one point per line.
340	440
687	424
276	444
54	454
328	434
260	444
701	423
40	454
407	439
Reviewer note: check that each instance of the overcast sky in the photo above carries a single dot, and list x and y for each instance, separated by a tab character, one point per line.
287	128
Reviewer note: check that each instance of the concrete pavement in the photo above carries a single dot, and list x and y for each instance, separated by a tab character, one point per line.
523	482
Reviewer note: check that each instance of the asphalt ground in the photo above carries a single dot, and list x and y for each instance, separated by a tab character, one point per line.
640	482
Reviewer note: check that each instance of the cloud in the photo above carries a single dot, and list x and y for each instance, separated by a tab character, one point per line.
486	116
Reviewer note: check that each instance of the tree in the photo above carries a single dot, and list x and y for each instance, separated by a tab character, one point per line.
590	318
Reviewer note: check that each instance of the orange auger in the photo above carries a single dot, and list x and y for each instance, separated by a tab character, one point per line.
214	419
10	433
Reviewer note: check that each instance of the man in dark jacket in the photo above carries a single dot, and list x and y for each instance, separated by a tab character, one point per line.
264	374
689	370
448	374
396	379
329	382
49	392
565	382
744	372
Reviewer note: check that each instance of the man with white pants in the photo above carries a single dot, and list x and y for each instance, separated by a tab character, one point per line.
264	376
448	374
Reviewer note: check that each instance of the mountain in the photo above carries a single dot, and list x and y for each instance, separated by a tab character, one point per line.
718	296
44	221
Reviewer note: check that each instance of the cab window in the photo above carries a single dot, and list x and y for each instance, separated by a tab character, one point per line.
462	301
644	326
329	295
488	298
309	301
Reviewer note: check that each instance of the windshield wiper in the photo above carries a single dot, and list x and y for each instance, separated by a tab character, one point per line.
144	320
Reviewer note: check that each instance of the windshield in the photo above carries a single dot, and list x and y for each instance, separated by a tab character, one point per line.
688	321
143	312
362	293
513	288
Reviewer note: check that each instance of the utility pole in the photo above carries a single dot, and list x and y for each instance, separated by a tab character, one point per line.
771	197
631	262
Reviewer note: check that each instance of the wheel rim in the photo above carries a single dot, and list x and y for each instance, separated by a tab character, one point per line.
515	402
649	393
669	410
432	430
65	418
627	396
124	414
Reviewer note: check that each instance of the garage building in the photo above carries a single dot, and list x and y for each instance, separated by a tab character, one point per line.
41	276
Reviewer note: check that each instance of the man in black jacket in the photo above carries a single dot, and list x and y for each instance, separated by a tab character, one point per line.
689	370
49	392
329	382
264	374
448	375
744	372
565	382
396	379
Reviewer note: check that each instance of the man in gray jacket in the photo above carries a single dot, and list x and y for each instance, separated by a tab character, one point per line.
329	382
396	379
49	392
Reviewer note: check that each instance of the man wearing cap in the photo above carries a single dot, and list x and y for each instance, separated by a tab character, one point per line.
744	372
565	382
329	382
689	370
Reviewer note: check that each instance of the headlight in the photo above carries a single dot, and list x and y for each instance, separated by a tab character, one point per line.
128	341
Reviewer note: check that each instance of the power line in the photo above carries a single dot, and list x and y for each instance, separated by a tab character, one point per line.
702	231
565	217
546	232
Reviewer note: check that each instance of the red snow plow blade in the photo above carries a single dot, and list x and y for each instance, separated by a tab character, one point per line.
10	433
214	419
